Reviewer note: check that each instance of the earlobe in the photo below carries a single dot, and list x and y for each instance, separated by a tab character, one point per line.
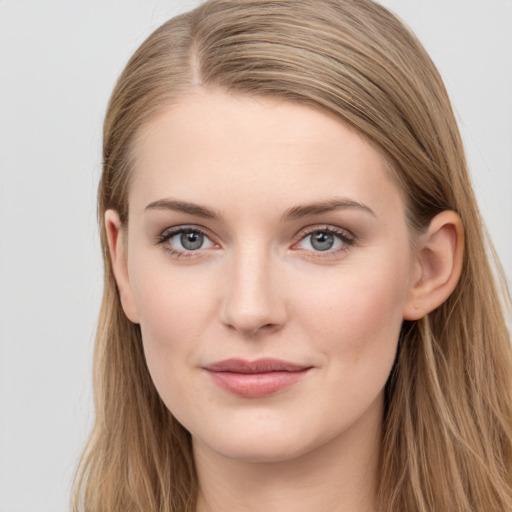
439	258
117	248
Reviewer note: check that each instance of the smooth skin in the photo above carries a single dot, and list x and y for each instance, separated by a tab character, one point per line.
256	271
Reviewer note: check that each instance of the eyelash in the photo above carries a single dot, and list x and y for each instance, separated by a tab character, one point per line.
169	233
348	240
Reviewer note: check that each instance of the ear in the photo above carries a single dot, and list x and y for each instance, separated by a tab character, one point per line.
439	255
117	244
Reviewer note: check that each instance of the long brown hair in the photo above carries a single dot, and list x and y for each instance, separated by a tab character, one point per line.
447	429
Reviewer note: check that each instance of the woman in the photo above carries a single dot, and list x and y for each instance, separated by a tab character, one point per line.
299	312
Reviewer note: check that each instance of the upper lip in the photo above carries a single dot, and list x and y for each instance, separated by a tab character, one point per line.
258	366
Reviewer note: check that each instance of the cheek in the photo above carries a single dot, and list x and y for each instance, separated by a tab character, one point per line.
170	327
358	321
174	308
374	302
171	301
358	296
166	315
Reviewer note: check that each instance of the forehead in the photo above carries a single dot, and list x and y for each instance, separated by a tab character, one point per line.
212	145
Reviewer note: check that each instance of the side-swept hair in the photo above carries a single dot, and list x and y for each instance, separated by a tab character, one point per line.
446	435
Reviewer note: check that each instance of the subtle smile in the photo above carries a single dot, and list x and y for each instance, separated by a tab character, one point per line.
255	379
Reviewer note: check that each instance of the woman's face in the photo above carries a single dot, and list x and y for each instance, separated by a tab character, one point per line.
269	265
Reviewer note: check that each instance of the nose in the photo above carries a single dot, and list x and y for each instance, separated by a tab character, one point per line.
253	300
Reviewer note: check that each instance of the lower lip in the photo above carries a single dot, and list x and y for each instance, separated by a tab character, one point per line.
256	385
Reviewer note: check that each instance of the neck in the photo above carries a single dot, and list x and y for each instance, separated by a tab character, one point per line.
338	476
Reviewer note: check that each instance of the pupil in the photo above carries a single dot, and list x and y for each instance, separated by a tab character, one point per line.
191	240
322	241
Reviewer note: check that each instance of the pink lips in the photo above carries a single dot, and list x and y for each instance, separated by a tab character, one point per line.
253	379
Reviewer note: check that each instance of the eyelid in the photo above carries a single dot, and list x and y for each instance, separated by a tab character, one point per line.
172	231
308	230
347	238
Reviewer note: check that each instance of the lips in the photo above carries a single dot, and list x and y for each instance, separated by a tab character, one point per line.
254	379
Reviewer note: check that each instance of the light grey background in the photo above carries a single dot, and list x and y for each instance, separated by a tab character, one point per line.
58	64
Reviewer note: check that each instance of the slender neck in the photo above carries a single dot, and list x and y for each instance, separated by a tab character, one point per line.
340	475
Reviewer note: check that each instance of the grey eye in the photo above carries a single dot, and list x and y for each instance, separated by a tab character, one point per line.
322	241
191	240
185	240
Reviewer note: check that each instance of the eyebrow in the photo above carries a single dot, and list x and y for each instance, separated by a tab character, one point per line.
294	213
184	207
308	210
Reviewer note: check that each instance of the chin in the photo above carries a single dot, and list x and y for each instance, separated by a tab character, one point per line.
262	445
261	452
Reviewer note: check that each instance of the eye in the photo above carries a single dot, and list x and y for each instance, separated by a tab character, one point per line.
182	240
190	240
325	239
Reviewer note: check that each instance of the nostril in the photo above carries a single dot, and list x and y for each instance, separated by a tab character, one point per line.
253	329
